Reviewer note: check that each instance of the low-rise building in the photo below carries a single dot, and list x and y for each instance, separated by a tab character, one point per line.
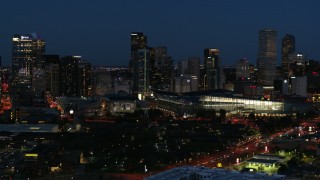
265	163
203	173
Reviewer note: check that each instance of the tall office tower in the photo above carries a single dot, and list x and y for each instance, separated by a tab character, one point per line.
52	74
296	64
299	86
190	67
243	71
185	83
313	76
228	78
138	42
84	79
153	74
162	72
194	66
288	47
267	56
102	82
141	73
211	66
69	76
183	67
27	68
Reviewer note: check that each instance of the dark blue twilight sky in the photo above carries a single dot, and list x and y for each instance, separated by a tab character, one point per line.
99	30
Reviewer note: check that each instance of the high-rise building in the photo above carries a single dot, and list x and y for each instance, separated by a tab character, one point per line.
296	64
141	73
313	76
84	79
52	74
136	64
227	76
28	52
211	66
194	66
288	47
138	41
267	56
184	83
299	86
28	61
162	69
242	68
69	76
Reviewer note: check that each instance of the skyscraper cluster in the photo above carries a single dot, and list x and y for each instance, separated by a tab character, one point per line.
35	75
152	69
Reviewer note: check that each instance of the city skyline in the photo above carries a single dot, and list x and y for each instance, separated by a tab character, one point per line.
100	31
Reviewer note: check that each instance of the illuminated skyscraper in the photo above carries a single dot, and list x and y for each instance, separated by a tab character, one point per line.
141	73
288	47
162	69
28	52
141	56
138	41
69	76
28	76
84	79
211	66
267	56
243	71
52	74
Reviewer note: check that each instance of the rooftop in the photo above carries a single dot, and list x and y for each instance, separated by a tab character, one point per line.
206	173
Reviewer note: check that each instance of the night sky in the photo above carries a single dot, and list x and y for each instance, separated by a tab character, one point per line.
99	30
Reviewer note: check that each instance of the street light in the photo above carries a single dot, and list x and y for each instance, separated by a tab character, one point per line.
71	111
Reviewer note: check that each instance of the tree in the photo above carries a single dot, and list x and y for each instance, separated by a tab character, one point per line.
251	117
223	114
283	169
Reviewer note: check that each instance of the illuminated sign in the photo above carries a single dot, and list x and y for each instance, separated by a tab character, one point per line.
24	37
31	155
219	165
15	39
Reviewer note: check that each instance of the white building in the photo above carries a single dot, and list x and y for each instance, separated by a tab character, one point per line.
204	173
299	85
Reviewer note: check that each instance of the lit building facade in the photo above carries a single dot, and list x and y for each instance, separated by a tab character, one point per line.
296	64
84	79
52	74
28	61
227	76
191	102
313	76
69	79
185	83
299	86
162	69
140	64
267	56
141	73
288	47
211	66
235	103
243	70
